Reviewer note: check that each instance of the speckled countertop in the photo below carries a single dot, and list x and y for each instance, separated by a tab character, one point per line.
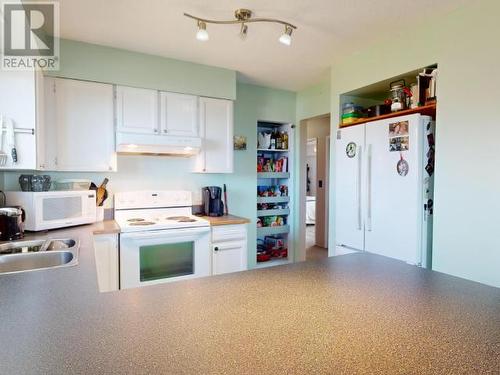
353	314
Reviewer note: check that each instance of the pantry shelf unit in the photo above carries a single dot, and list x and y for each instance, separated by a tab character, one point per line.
273	262
265	150
269	231
278	212
274	188
273	199
277	175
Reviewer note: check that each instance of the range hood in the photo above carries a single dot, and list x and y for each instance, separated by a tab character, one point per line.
167	145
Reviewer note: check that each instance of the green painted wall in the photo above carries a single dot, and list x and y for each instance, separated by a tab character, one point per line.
314	101
111	65
467	191
311	102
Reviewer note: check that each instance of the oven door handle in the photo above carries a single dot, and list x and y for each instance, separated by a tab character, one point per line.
165	233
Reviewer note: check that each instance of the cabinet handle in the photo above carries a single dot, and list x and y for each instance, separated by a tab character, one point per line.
165	131
369	209
155	130
216	248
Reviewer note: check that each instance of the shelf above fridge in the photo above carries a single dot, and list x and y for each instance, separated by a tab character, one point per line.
273	175
278	212
273	199
269	231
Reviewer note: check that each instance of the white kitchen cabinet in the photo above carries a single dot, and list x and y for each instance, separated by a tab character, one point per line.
179	114
216	131
106	259
21	95
137	110
79	131
229	248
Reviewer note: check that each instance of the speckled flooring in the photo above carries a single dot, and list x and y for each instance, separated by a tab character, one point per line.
314	252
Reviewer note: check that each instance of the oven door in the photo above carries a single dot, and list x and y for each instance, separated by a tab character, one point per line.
154	257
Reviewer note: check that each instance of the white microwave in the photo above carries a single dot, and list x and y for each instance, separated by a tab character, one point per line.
54	209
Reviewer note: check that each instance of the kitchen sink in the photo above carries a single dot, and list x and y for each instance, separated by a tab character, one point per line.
22	256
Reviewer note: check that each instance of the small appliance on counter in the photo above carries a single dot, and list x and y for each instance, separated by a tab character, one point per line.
11	223
212	201
55	209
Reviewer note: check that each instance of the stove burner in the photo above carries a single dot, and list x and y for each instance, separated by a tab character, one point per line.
135	220
186	220
178	218
144	223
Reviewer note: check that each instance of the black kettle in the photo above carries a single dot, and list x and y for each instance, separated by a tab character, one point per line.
12	223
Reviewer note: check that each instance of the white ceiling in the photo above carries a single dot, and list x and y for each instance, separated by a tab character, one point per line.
327	30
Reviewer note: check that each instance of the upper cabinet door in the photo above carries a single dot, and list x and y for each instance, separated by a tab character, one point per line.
85	129
136	110
216	131
19	105
179	114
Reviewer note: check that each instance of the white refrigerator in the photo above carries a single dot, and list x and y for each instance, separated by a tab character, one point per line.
384	188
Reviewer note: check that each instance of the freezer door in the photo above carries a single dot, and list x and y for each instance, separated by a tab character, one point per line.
349	166
393	216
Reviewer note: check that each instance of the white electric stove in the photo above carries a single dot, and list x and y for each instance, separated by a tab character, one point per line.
160	241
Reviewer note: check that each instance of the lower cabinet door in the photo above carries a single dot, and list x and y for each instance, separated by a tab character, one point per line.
229	257
106	259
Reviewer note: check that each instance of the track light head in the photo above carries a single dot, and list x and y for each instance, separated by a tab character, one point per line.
202	34
286	37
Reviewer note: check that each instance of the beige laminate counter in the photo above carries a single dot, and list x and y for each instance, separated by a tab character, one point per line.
226	220
351	314
106	227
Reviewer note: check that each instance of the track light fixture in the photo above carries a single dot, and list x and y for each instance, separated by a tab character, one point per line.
243	17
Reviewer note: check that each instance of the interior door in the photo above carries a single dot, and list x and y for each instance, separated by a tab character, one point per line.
85	128
137	110
393	215
349	166
179	114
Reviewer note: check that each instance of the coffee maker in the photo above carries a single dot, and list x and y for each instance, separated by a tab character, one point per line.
12	223
212	201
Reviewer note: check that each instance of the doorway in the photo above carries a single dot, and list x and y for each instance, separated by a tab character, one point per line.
315	199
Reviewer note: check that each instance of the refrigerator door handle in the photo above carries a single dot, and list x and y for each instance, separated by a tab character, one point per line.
369	198
360	176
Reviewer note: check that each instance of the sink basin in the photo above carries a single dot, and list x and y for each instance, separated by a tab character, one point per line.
21	256
61	244
21	247
34	261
